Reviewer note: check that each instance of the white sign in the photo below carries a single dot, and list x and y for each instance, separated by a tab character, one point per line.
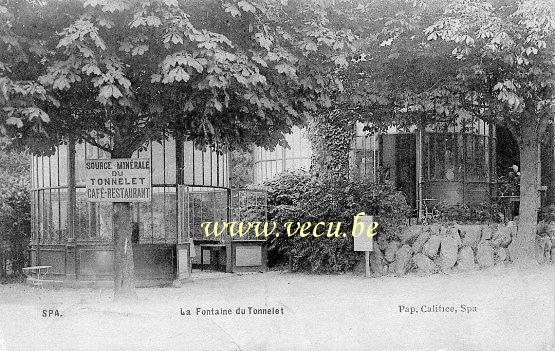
118	180
363	233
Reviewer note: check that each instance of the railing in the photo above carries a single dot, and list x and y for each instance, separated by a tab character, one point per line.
198	205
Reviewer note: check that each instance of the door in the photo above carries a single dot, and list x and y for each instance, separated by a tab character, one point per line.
405	161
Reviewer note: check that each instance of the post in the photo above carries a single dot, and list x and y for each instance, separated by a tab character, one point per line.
367	263
363	233
182	248
419	173
72	264
229	259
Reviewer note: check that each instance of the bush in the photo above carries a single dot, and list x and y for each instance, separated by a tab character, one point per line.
301	197
15	211
15	229
466	214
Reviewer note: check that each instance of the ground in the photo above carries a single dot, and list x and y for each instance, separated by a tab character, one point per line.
514	311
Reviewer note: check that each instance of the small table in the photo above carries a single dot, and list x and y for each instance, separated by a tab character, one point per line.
37	270
209	247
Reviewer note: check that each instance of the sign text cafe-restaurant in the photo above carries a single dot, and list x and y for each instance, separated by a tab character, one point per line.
118	180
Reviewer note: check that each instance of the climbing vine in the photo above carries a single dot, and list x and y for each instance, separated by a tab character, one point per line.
331	135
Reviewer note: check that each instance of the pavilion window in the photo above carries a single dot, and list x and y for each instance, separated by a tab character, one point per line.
481	157
365	160
82	216
40	217
461	155
55	210
425	157
170	214
104	220
451	166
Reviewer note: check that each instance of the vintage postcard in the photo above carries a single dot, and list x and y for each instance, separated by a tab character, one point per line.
259	175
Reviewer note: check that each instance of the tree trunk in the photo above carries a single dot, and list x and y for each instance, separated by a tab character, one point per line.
331	135
124	274
529	195
124	279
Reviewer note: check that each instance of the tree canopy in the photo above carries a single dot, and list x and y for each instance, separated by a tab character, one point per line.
117	73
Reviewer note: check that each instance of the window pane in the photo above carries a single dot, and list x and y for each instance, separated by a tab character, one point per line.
170	216
104	220
170	161
81	215
158	166
451	170
425	157
63	213
440	156
62	166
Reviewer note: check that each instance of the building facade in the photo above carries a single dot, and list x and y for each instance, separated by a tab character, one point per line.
448	164
189	186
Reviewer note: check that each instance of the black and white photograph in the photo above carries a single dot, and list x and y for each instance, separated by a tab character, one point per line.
277	175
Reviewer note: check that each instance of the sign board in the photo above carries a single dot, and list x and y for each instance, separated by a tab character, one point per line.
118	180
361	240
363	226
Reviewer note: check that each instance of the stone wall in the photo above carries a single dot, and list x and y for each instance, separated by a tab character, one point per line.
428	249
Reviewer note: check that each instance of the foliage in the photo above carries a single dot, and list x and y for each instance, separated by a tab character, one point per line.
331	134
302	197
15	209
506	57
509	184
221	73
548	214
446	61
469	213
14	172
117	73
242	167
15	226
546	226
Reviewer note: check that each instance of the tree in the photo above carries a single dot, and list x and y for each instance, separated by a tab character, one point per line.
432	62
224	74
15	216
506	56
395	78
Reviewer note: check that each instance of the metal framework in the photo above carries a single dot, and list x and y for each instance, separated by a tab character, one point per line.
451	163
60	211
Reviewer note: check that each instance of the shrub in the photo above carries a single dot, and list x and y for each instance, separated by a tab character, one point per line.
15	228
301	197
547	214
473	213
15	211
509	184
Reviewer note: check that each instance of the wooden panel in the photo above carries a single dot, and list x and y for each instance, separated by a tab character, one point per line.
476	193
54	258
96	262
248	256
448	192
183	261
153	261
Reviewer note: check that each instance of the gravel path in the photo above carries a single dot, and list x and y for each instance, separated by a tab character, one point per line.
499	309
